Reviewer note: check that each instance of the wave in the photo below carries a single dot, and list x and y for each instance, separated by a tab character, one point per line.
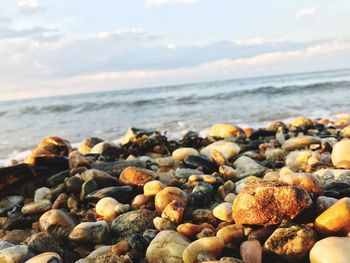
170	100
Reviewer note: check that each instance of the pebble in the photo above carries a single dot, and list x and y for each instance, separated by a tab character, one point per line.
87	144
185	173
246	166
47	257
9	202
300	142
309	182
284	202
346	132
106	208
14	254
231	233
300	160
87	232
136	176
162	224
57	223
251	251
152	188
36	207
331	249
167	247
173	212
302	122
222	130
42	193
209	245
181	153
291	241
324	202
274	155
167	195
336	219
341	154
73	184
223	212
228	150
43	242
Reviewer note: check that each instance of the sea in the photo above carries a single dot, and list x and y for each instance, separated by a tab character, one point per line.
249	102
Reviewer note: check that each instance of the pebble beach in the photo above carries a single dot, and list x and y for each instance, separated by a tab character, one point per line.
278	193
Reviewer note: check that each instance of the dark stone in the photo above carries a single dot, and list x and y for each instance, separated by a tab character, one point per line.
73	184
115	168
199	162
120	193
88	187
138	245
58	178
202	194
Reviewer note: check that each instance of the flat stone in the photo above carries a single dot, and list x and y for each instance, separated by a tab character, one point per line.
222	130
57	223
228	150
37	207
90	232
299	142
136	176
182	153
167	247
291	241
331	249
13	254
268	203
246	166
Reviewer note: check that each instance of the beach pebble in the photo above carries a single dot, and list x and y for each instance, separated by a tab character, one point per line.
331	249
305	180
42	193
182	153
88	232
9	202
284	202
186	172
274	155
161	224
228	172
16	236
167	247
133	222
341	154
299	160
57	223
302	122
299	142
165	161
222	130
36	207
261	234
47	257
251	251
209	245
102	148
189	230
142	201
231	233
291	241
173	212
13	254
77	160
333	175
223	212
43	242
346	132
136	176
336	219
167	195
152	188
73	184
228	149
61	201
246	166
87	144
106	208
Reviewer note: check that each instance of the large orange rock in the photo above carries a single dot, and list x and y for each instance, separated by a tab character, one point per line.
268	203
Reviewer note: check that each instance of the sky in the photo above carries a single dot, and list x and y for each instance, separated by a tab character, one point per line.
55	47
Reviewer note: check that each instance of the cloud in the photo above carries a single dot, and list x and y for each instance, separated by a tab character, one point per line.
158	3
30	6
250	42
37	33
305	12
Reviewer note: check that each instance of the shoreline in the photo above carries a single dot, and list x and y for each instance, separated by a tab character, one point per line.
278	193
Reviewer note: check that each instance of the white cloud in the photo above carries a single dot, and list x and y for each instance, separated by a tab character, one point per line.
29	3
158	3
30	6
305	12
172	46
250	42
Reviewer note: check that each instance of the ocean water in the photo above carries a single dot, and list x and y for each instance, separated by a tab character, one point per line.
175	109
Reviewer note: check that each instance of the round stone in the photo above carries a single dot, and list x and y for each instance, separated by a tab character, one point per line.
228	150
341	154
300	142
167	195
182	153
90	232
152	188
106	207
331	249
223	212
42	193
47	257
87	144
136	176
57	223
222	130
37	207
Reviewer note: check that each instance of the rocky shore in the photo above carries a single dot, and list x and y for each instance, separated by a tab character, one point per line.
276	194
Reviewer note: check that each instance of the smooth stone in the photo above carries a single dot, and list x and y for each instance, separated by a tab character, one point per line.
223	212
87	144
115	168
36	207
300	160
13	254
133	222
42	194
88	187
309	182
346	132
229	150
230	197
101	178
302	122
76	160
246	166
57	179
142	201
47	257
261	234
57	223
291	241
182	153
138	245
95	232
341	154
16	236
167	247
331	249
152	188
268	203
251	251
331	175
300	142
222	130
162	224
133	134
61	201
165	161
120	193
200	162
136	176
228	172
243	182
186	172
106	207
102	148
5	244
336	219
202	194
9	202
231	233
167	195
73	184
173	212
274	154
43	242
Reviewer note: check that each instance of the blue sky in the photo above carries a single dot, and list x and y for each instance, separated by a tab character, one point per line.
54	47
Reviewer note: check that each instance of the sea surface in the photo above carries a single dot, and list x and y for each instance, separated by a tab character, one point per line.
175	109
